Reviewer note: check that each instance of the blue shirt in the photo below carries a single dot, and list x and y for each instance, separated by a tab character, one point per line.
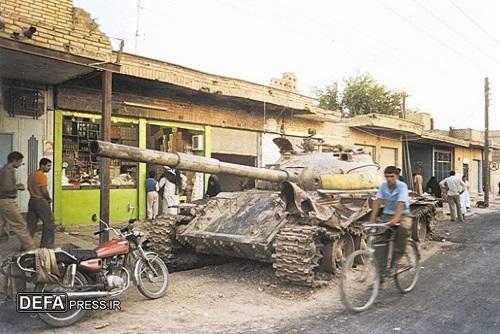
150	184
399	194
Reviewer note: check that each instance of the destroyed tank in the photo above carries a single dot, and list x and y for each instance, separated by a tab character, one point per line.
304	215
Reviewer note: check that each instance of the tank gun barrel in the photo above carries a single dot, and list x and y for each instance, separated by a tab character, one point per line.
183	161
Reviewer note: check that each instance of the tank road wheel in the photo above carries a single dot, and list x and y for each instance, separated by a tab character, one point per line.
162	236
298	254
335	253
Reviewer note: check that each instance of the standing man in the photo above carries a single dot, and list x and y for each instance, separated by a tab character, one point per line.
168	191
39	204
455	188
418	181
9	211
152	195
394	195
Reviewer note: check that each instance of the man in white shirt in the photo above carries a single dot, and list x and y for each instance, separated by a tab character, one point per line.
171	183
455	186
168	191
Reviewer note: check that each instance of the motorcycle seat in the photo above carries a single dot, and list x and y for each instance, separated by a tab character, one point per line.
83	254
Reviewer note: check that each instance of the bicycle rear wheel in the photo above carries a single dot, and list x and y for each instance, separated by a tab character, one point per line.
407	268
359	284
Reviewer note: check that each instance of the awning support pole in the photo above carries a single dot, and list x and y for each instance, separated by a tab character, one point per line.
105	162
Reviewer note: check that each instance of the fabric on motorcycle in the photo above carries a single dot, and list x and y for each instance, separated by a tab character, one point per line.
13	283
46	267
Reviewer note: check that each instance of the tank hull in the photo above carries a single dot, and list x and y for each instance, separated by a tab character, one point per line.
241	224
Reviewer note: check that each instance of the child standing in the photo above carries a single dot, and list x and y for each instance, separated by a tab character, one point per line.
152	195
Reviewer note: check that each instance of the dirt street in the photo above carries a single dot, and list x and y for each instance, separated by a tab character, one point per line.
245	297
225	298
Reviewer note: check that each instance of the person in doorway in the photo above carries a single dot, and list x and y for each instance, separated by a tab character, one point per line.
9	211
393	194
465	196
455	187
152	195
39	204
168	191
418	183
432	187
213	187
400	176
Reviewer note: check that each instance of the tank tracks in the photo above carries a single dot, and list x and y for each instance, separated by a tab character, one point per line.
298	251
162	236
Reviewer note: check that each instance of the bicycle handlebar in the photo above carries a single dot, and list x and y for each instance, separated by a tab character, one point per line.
386	224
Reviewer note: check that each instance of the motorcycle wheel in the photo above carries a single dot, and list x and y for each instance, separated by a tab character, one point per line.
152	281
61	319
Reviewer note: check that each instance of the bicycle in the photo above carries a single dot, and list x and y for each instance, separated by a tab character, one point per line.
364	269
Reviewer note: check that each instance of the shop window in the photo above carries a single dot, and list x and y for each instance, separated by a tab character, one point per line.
124	173
173	139
80	168
442	164
23	101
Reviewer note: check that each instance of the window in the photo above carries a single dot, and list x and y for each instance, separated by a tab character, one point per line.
370	149
80	168
442	164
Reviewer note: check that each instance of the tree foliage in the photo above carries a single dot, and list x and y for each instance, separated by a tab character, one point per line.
329	97
362	94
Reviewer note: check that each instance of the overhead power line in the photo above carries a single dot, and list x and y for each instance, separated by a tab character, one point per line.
471	19
474	45
425	32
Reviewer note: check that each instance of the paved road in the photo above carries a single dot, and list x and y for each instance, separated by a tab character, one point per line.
459	292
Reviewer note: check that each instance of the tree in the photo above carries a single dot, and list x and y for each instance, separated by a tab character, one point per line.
361	95
329	97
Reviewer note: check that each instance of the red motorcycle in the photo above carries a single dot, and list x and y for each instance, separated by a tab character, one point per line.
106	271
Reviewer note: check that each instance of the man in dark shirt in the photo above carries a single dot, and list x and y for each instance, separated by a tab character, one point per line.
153	200
9	211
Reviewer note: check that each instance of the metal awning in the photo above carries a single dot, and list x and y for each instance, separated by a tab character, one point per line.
386	126
23	61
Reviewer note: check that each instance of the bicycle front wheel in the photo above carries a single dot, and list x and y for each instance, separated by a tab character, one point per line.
359	283
407	268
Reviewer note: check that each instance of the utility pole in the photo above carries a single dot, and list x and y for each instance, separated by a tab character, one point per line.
137	24
486	153
403	104
407	170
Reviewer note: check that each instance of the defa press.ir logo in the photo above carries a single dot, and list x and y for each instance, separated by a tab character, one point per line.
58	302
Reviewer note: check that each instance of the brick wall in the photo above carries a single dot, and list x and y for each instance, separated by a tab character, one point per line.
467	134
60	26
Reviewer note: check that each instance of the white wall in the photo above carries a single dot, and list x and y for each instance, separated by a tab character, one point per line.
23	128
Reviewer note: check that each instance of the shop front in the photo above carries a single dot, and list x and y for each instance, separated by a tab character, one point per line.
76	171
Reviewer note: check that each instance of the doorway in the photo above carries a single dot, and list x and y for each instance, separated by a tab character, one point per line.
6	146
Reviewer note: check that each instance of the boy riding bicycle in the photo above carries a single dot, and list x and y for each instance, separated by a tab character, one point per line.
394	195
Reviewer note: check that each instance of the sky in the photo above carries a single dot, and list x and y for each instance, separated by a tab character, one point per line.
438	51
